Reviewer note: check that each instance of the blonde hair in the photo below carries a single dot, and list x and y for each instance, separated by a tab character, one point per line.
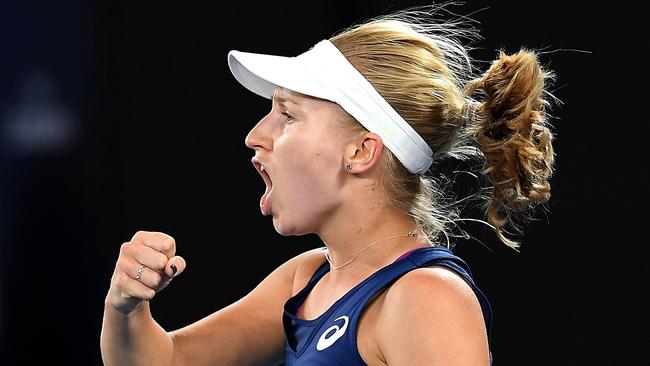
423	69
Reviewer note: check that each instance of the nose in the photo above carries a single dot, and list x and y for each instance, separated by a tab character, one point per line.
260	136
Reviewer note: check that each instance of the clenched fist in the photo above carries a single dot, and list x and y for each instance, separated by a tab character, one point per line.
145	266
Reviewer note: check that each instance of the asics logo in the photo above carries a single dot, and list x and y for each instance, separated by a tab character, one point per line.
332	334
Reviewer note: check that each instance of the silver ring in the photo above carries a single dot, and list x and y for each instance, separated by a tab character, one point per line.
138	274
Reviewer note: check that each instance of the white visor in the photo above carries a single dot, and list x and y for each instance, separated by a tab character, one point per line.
323	72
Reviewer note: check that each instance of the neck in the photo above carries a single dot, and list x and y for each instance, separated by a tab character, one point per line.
347	239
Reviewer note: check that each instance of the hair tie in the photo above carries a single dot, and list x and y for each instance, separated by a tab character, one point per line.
470	108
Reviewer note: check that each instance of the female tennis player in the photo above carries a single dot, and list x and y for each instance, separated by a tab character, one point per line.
349	151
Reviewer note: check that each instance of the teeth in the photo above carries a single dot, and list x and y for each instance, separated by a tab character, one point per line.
262	168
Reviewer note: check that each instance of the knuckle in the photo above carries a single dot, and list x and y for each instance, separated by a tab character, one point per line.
129	250
121	279
162	262
124	277
138	235
120	266
167	243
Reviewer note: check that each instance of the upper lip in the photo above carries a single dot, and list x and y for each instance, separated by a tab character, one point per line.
264	173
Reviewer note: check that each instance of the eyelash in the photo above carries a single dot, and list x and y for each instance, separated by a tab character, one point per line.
289	117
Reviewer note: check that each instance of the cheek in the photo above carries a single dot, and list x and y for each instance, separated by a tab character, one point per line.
312	174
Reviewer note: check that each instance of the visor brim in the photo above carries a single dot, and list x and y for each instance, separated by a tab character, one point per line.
262	74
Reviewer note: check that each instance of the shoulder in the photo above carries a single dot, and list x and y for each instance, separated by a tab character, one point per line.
439	308
306	264
430	285
434	293
285	277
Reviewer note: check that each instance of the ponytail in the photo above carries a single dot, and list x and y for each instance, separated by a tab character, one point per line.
511	130
421	67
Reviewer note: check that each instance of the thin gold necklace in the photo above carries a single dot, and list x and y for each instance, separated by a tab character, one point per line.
327	255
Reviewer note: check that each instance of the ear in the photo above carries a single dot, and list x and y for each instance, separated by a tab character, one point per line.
364	153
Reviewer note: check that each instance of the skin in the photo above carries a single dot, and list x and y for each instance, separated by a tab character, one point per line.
429	316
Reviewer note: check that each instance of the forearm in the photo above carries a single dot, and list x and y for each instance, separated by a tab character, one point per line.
134	339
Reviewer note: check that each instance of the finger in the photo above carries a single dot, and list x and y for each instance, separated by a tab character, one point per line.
147	276
131	288
175	266
148	257
156	240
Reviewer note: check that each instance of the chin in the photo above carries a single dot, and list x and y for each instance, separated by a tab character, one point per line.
286	229
278	225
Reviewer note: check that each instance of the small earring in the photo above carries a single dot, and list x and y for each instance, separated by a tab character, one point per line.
348	167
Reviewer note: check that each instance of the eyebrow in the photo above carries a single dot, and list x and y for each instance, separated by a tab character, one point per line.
283	99
279	99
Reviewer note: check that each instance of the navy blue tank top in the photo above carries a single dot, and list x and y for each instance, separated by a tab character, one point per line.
330	339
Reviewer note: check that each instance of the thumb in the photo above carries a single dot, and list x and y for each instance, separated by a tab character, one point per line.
175	266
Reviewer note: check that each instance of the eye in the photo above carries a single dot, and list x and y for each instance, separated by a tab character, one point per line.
289	117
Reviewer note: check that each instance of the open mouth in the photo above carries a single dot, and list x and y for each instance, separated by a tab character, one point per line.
265	202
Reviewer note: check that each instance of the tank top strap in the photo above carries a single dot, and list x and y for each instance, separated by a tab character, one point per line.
330	339
296	301
422	257
441	256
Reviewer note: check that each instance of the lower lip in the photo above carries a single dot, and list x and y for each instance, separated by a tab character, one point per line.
265	203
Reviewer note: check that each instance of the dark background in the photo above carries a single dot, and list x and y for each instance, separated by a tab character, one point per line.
120	116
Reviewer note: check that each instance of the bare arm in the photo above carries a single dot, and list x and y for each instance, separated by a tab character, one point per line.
130	336
247	332
432	317
134	338
250	331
